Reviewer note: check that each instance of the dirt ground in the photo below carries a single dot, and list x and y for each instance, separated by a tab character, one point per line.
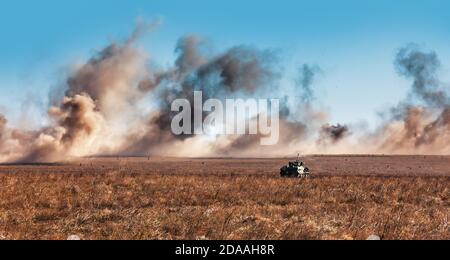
348	197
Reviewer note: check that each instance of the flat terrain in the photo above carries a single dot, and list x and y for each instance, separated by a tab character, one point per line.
348	197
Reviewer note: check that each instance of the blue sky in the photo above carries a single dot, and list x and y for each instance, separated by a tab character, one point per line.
354	42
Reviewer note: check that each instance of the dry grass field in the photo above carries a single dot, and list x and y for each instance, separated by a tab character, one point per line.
348	197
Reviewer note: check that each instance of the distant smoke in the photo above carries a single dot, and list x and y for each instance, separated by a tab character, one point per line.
422	68
420	124
334	133
439	128
249	145
96	92
189	54
306	80
238	72
3	123
78	116
107	77
102	111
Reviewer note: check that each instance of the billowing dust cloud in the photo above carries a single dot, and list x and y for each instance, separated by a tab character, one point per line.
105	107
421	123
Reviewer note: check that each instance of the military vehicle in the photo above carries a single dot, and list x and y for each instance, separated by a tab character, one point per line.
295	169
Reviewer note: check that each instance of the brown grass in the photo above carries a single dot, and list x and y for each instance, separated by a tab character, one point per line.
135	199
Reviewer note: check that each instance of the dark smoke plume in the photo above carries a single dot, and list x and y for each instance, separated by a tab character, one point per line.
308	74
422	68
3	123
334	133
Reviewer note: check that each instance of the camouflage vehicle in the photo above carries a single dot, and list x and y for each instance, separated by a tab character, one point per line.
295	169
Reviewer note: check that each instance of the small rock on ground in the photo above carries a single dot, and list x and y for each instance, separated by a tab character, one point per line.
73	238
373	238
